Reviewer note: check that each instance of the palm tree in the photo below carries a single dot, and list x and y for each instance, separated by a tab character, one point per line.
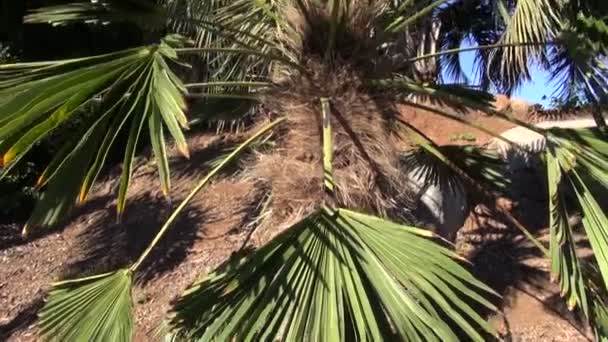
343	260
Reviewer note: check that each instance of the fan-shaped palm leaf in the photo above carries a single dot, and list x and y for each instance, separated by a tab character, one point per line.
96	308
136	86
484	166
473	23
533	22
143	12
578	64
334	275
226	24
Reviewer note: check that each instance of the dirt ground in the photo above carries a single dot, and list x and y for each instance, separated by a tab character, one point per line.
211	230
531	308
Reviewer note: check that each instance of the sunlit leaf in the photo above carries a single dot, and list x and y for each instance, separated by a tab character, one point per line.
135	86
143	12
97	308
334	275
576	159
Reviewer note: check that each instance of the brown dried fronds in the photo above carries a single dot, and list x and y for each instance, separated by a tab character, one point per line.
306	33
296	190
366	156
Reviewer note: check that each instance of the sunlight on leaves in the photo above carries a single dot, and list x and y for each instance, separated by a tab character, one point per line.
97	308
335	275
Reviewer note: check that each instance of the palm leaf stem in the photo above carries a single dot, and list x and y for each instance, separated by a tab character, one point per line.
241	51
441	94
228	84
199	186
401	23
476	48
328	177
219	29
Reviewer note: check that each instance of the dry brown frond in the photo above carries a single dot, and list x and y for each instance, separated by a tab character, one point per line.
305	36
367	168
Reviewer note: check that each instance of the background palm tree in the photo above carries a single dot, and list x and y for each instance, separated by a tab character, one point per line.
328	75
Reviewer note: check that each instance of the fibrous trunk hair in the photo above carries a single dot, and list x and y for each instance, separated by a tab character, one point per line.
366	166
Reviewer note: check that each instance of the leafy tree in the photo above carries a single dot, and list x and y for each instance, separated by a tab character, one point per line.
352	266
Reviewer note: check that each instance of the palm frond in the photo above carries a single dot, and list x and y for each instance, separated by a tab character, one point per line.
532	21
474	23
334	275
459	97
565	266
578	63
576	159
484	166
145	13
135	86
599	317
481	188
99	308
481	164
96	308
407	14
226	24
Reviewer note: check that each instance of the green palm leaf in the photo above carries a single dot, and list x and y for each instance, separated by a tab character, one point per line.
97	308
457	96
578	63
336	274
576	159
600	318
565	265
484	166
142	12
135	86
226	24
532	21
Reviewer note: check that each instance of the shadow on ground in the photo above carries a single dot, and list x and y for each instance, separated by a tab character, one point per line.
108	244
105	245
10	232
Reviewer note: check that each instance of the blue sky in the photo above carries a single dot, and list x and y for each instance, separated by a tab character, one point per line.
532	91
